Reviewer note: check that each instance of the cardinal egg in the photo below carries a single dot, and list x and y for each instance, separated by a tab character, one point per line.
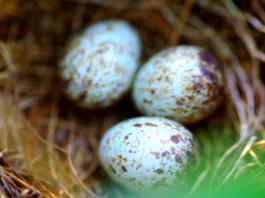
183	84
147	153
99	64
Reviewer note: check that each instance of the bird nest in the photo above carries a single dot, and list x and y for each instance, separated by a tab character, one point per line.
48	146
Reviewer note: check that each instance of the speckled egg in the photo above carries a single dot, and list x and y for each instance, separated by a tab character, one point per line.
147	152
184	84
99	64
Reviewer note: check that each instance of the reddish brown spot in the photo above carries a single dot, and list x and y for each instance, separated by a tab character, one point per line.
156	154
159	171
175	138
100	51
152	91
137	125
124	169
167	124
119	70
139	166
82	96
126	137
165	153
150	124
159	78
191	98
148	101
180	103
197	86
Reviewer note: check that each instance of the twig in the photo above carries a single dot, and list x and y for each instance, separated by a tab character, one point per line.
258	8
85	187
179	26
244	152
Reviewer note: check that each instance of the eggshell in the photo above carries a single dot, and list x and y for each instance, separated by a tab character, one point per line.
147	153
99	64
184	84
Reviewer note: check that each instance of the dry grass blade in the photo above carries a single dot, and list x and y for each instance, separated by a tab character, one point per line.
244	152
258	8
13	185
85	187
184	16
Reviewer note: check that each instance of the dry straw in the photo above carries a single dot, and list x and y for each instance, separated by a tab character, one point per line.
48	146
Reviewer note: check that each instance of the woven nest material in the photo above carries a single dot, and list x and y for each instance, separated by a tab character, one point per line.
48	146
